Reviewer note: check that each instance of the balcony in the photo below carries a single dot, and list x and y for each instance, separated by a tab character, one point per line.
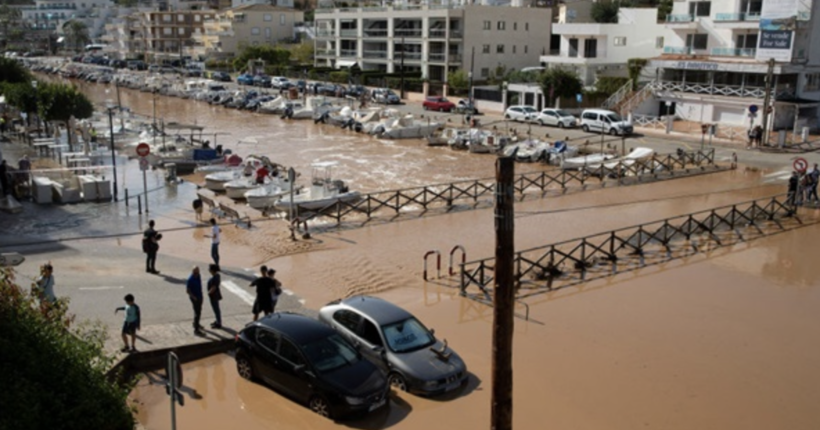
349	32
348	53
437	33
680	18
375	32
407	55
734	52
678	50
325	33
325	52
723	17
437	57
374	54
407	32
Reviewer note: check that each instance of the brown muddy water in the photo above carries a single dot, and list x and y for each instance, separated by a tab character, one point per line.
724	341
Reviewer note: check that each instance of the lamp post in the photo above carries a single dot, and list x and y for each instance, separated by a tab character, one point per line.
113	157
470	87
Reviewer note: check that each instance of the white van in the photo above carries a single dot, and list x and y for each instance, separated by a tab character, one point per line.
605	121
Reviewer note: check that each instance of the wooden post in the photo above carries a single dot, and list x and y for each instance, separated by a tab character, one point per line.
503	296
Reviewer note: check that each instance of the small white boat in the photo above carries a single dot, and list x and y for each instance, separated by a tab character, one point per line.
615	165
586	160
406	127
324	191
216	181
265	196
275	106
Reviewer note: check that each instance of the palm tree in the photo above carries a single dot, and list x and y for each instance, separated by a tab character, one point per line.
76	34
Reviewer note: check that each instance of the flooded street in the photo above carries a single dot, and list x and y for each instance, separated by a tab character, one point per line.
724	340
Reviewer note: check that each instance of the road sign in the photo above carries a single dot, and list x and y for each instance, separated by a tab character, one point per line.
753	108
800	164
704	128
11	259
143	149
291	175
579	98
143	164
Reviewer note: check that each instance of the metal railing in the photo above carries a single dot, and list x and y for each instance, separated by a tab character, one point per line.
734	52
552	267
703	88
752	16
437	57
536	184
407	32
347	53
375	32
374	54
686	50
619	95
349	32
680	18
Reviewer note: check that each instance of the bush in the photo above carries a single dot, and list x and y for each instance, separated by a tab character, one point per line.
608	85
53	374
340	77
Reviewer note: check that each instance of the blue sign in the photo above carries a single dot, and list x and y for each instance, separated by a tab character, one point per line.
579	97
753	108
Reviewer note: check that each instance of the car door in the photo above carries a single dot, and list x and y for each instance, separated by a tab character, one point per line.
265	355
290	371
348	323
372	343
549	118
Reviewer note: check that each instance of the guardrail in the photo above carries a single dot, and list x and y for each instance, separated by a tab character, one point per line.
551	267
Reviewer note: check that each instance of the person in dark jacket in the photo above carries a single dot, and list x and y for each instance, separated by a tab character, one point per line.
194	289
214	294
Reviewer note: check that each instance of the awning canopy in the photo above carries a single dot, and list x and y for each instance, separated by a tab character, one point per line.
345	64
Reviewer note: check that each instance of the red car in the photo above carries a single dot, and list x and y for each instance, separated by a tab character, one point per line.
438	103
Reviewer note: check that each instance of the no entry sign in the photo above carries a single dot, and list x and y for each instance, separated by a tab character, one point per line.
800	164
143	149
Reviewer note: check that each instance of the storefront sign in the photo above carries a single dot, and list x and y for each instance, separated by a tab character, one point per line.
697	65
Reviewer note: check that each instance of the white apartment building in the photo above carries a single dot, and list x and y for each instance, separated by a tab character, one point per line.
715	66
52	14
277	3
432	38
593	50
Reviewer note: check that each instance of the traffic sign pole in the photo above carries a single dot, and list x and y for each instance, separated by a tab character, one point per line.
143	150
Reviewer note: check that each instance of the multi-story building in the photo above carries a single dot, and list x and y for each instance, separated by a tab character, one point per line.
593	50
52	14
249	25
715	67
166	35
278	3
432	38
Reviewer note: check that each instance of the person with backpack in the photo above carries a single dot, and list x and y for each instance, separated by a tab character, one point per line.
150	246
131	323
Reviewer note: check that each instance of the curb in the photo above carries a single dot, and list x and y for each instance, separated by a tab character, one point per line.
140	362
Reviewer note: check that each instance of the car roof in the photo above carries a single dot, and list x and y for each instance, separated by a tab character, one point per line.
379	310
297	327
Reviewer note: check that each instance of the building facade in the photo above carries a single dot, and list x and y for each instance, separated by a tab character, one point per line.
257	24
53	14
717	68
165	35
593	50
433	39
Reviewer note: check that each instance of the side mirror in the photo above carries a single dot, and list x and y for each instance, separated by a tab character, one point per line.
433	331
379	350
299	369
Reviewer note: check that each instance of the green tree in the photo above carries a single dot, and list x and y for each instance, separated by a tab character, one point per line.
302	53
664	9
272	56
59	102
53	371
10	19
560	82
458	80
13	72
20	95
635	66
606	11
76	34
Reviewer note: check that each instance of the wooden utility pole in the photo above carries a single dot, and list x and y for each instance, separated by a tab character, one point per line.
503	296
767	98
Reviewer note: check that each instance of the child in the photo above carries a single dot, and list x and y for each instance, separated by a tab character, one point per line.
131	323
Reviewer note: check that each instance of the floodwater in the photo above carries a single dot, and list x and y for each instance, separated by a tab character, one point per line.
725	341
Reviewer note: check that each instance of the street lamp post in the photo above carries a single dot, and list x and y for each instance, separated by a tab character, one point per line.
470	87
113	157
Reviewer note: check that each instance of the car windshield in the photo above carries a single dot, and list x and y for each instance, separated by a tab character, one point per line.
562	113
330	353
408	335
613	117
529	109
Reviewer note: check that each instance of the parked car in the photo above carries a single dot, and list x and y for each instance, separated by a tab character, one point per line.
221	76
395	340
244	79
263	81
520	113
311	363
280	82
137	65
440	104
466	107
301	85
556	117
605	121
355	91
386	96
154	68
331	90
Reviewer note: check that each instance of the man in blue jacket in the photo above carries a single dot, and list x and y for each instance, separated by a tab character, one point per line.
194	289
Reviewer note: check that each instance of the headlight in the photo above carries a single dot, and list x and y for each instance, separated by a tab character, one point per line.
354	400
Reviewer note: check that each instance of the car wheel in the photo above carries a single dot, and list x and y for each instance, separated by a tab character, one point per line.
244	368
585	128
319	405
541	123
441	109
397	381
560	125
506	117
613	132
425	108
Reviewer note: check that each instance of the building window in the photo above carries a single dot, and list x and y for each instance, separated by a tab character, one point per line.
485	72
166	18
267	33
502	25
526	48
659	42
180	18
513	49
197	18
526	26
487	25
282	19
168	31
180	31
700	8
620	41
485	49
499	49
697	41
573	48
590	48
255	31
515	26
812	82
268	17
746	41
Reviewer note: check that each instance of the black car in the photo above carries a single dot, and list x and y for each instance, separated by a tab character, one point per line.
263	81
355	91
221	76
331	90
311	363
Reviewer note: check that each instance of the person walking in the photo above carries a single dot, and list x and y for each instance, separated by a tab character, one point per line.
794	180
276	290
194	289
264	286
214	294
4	179
150	245
131	323
45	283
216	235
814	178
